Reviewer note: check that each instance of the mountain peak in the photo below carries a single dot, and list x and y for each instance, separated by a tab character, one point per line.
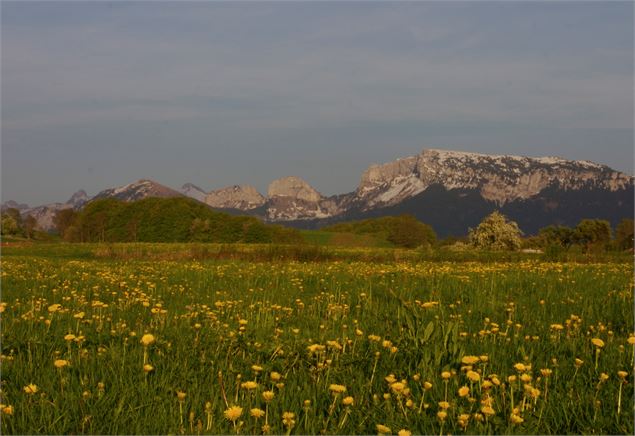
241	197
78	199
498	178
142	188
293	187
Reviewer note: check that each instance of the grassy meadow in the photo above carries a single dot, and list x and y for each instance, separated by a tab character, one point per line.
209	339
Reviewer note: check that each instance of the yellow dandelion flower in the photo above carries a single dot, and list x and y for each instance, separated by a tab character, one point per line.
427	386
249	385
180	395
464	391
268	395
473	376
275	376
348	401
444	405
30	389
488	410
516	419
597	342
604	377
148	368
7	410
520	367
337	389
61	363
69	337
257	413
397	387
147	339
445	375
470	360
622	374
382	429
404	432
256	368
579	362
288	419
442	414
631	340
233	413
54	308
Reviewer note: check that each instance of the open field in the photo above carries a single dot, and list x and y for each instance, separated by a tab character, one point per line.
361	341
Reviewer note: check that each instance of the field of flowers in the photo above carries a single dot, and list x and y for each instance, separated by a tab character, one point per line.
145	346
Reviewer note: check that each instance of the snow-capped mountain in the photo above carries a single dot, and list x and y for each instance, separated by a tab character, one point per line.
138	190
449	190
499	179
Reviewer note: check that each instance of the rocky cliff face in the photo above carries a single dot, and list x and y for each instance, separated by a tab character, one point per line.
291	198
242	197
499	179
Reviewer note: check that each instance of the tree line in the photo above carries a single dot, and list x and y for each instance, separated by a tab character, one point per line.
164	220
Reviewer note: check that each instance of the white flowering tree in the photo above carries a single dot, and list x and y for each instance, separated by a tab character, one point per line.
496	232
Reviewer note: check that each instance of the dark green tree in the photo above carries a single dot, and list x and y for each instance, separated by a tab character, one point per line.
624	234
592	234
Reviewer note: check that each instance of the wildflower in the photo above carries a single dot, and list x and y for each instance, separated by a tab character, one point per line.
268	396
69	337
148	368
54	308
60	363
337	389
516	419
473	376
631	340
546	372
442	414
348	401
444	405
275	376
464	391
622	374
578	362
404	432
249	385
233	413
382	429
180	395
256	368
470	360
488	410
257	413
597	342
7	410
445	375
397	387
604	377
147	339
520	367
288	419
30	388
427	386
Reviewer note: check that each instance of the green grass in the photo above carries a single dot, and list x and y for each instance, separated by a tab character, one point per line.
501	307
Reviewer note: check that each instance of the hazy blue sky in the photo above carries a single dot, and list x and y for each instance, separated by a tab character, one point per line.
96	95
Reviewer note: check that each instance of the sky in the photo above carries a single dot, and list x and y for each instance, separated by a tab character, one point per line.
100	94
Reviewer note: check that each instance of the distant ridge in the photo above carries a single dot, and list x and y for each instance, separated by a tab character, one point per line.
451	190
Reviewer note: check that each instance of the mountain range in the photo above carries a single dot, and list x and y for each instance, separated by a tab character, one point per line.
449	190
